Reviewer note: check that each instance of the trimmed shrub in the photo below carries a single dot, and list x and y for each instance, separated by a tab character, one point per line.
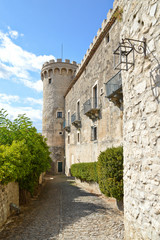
110	172
85	171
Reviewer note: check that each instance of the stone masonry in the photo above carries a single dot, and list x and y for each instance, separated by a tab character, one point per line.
95	122
8	194
56	77
95	70
141	91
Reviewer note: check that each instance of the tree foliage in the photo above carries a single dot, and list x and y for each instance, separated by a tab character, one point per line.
24	154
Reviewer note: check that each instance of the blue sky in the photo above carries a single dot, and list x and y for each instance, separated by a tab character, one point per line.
31	33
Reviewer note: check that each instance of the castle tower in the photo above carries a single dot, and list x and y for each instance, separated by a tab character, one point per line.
56	77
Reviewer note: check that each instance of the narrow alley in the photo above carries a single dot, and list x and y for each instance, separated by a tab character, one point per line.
63	211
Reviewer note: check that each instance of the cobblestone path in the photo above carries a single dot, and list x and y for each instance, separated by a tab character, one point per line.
64	211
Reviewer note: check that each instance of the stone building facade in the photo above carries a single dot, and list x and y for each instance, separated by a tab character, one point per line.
94	122
123	56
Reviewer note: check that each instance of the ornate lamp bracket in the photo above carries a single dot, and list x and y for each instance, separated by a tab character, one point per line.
124	57
137	45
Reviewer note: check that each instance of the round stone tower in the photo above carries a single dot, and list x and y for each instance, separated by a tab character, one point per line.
56	77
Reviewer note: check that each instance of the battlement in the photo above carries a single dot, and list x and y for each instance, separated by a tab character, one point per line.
101	33
106	24
58	67
59	60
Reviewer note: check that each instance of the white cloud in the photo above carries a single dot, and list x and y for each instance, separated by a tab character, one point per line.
13	34
19	63
9	99
32	113
34	101
4	98
38	86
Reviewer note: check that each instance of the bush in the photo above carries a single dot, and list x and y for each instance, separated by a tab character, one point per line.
24	153
110	172
85	171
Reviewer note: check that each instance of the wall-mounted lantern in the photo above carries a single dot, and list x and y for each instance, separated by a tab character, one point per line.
124	54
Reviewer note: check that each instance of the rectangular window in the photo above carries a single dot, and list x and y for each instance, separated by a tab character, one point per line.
69	118
95	97
49	80
101	91
78	110
59	114
93	133
68	139
78	137
107	38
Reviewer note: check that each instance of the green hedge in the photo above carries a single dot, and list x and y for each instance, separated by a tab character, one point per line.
85	171
110	172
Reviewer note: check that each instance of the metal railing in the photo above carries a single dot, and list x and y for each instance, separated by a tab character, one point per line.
65	124
75	117
91	103
114	84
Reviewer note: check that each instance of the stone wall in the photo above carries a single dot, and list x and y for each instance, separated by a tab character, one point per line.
141	91
109	124
8	194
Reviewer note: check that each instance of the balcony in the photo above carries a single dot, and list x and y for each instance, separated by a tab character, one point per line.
91	108
66	126
75	120
114	89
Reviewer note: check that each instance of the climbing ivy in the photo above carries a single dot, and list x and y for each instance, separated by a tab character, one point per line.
24	153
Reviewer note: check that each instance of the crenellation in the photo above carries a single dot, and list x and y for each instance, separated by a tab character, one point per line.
52	61
90	48
67	61
94	39
45	64
99	31
104	24
109	14
59	59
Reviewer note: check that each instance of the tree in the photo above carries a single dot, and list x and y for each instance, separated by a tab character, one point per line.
24	153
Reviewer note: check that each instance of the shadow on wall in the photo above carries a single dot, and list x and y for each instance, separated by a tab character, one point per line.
155	82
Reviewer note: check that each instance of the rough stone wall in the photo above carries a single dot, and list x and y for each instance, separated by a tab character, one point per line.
56	77
141	94
8	194
109	127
